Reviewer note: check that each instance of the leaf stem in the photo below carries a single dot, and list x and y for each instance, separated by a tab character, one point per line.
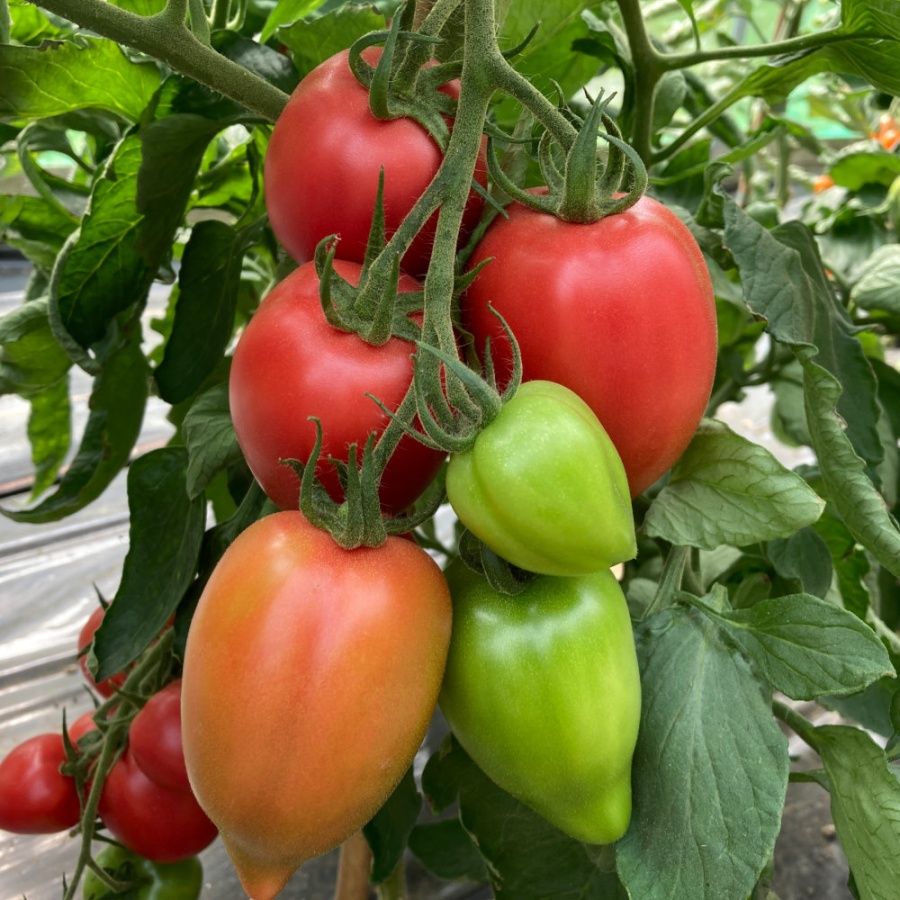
799	44
800	725
670	580
166	38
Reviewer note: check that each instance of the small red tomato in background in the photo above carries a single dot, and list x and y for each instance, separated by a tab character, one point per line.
162	825
81	726
35	797
290	364
822	183
323	164
155	739
620	311
105	688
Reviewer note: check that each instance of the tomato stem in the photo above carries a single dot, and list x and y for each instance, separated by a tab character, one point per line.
166	37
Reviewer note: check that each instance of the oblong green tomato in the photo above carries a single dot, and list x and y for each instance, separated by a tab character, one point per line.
544	487
542	690
156	881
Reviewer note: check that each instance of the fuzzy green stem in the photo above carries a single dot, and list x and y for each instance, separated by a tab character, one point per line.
798	44
166	38
800	725
648	69
669	582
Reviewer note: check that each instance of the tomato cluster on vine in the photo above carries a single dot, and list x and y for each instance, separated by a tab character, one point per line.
146	803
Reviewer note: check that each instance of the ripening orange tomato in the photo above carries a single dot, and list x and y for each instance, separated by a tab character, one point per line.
310	677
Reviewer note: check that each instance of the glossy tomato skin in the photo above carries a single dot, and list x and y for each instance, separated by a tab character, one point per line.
323	163
543	486
290	364
333	661
543	691
621	312
35	797
159	824
155	739
107	687
157	881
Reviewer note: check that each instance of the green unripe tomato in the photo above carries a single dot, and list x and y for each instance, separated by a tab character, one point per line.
155	881
542	690
544	487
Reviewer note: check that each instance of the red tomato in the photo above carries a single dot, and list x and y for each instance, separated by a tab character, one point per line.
290	364
822	183
35	797
105	688
155	739
621	312
310	677
81	726
324	159
162	825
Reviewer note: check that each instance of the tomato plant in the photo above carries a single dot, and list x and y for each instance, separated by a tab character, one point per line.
162	825
620	311
733	329
323	164
154	881
543	486
291	364
155	739
348	649
35	797
543	690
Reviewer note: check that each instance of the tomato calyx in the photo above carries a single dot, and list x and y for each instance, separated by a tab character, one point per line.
357	520
401	84
583	189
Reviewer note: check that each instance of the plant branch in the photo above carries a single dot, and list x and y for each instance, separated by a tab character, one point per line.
166	38
647	68
800	725
798	44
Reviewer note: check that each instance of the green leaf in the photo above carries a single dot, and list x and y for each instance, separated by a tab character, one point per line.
804	557
882	16
388	831
447	851
171	152
850	490
851	565
100	272
728	490
710	769
56	78
287	12
877	286
525	856
116	411
865	804
871	707
312	42
36	228
31	361
50	433
855	170
165	533
551	51
210	439
804	646
209	283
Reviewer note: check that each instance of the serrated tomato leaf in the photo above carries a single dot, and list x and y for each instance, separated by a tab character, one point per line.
710	769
